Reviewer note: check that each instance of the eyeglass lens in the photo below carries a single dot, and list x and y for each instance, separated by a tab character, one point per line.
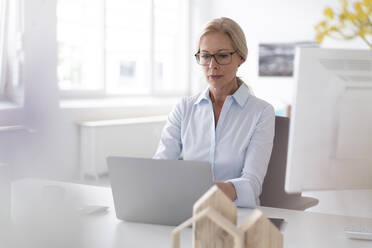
221	58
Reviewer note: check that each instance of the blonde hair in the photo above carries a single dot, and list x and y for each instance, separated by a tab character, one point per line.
230	28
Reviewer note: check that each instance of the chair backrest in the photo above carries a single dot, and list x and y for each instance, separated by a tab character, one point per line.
273	193
273	185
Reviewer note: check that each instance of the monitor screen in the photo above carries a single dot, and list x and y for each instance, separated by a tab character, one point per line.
330	140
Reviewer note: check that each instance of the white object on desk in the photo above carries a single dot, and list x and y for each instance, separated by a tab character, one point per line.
358	232
93	209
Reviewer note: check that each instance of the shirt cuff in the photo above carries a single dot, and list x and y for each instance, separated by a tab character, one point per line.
245	196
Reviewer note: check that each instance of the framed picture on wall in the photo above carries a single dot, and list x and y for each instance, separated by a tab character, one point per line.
276	59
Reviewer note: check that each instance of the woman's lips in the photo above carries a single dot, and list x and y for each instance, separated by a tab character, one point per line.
215	77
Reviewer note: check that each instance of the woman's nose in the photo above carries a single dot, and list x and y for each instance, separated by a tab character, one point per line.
213	63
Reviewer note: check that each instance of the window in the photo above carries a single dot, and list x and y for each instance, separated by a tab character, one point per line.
3	27
11	50
123	47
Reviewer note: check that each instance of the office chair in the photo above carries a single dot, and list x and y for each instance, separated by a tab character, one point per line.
273	194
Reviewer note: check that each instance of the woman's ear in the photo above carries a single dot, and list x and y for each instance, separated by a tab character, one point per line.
241	61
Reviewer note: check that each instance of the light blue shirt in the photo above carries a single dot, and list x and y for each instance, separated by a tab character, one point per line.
238	148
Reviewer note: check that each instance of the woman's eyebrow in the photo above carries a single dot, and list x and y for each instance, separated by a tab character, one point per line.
220	50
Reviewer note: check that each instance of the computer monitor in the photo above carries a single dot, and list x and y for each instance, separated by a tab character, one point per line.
330	140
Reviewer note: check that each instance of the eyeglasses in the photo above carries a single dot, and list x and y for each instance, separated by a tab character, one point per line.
223	58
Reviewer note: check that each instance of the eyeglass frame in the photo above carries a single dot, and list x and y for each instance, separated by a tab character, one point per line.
214	56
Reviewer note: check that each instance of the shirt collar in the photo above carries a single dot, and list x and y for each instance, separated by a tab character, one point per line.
204	96
240	96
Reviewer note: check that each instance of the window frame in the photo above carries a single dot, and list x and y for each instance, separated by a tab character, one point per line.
102	93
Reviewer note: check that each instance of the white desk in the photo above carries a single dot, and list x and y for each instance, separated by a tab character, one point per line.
44	215
343	202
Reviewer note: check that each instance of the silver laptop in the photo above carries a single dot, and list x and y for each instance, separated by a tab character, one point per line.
157	191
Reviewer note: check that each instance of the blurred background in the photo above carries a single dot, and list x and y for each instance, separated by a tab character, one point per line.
83	79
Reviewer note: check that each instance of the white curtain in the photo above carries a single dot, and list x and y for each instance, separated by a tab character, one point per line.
11	48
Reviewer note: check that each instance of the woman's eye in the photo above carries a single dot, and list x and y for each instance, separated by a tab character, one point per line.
222	55
205	56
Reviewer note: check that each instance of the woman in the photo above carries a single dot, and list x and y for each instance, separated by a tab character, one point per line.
224	125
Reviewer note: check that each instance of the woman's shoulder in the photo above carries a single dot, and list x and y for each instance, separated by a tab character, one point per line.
254	101
261	108
185	104
188	101
256	106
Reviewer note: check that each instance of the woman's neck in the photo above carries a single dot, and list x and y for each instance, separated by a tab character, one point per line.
218	95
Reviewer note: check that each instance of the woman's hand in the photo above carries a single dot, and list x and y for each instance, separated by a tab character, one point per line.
227	188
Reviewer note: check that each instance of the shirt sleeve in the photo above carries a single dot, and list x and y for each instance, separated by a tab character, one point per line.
170	145
248	186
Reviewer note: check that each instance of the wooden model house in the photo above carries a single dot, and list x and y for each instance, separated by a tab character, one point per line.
214	225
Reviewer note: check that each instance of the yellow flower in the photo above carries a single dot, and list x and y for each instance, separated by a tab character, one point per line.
320	25
353	20
328	12
362	31
344	6
367	3
359	10
342	18
319	37
333	28
358	6
367	6
351	17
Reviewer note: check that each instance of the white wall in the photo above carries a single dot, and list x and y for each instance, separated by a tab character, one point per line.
53	150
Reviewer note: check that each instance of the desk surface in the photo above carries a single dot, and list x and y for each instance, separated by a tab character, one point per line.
44	214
